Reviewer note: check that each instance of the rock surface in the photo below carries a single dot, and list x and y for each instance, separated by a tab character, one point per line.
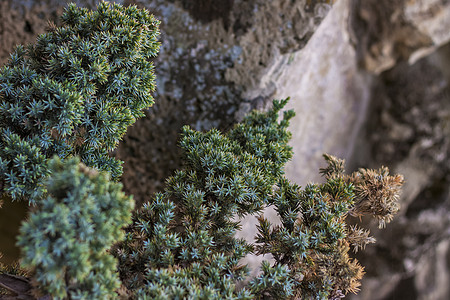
370	83
204	72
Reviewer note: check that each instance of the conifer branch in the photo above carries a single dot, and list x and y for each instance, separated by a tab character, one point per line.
74	93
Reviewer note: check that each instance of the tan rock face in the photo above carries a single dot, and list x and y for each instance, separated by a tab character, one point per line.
328	91
387	31
414	99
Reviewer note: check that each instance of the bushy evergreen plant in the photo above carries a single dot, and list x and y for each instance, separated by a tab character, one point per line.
73	94
182	243
65	242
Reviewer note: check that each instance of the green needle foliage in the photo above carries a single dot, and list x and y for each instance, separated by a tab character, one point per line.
65	242
182	243
312	243
75	92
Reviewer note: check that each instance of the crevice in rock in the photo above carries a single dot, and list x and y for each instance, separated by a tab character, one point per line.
430	198
405	289
206	11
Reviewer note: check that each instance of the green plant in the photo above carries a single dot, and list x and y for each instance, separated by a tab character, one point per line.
313	240
65	242
67	101
182	244
74	93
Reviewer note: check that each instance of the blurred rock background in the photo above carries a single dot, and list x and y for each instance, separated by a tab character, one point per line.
369	80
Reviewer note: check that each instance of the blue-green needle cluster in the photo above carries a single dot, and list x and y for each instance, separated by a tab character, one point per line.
65	242
75	92
182	243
